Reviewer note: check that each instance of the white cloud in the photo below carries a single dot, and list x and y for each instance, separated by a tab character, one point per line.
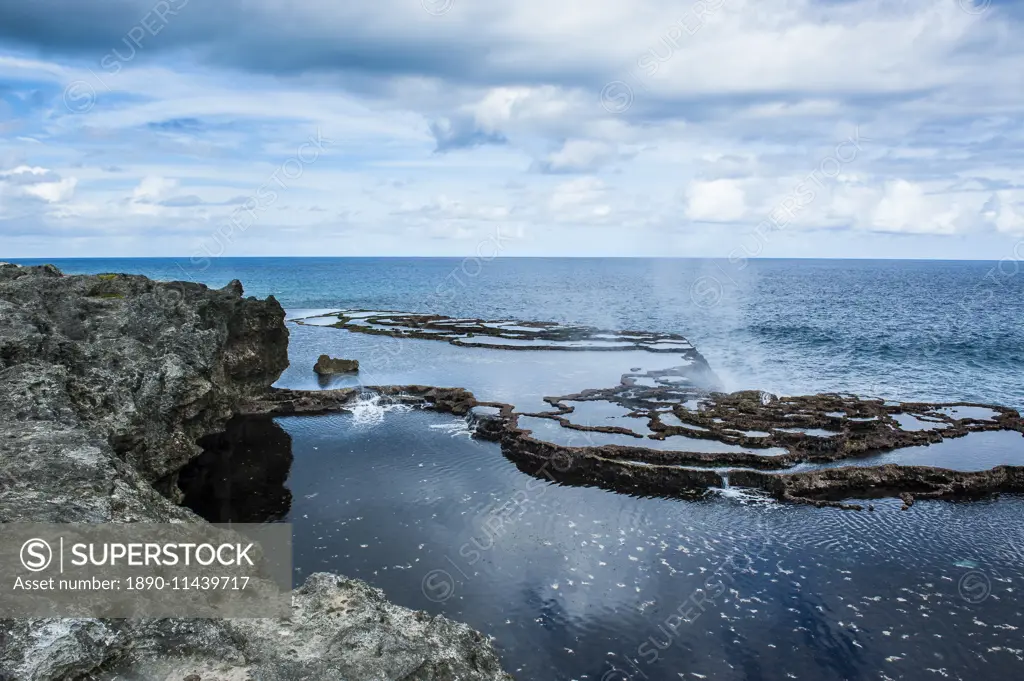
579	200
53	192
1005	210
152	189
715	201
579	155
441	124
905	207
38	183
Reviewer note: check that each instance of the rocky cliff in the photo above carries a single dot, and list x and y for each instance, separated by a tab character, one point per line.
106	384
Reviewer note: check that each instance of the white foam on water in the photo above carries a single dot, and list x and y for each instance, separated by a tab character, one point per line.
371	410
743	495
454	429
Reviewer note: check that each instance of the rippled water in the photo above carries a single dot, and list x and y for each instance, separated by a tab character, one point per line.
580	583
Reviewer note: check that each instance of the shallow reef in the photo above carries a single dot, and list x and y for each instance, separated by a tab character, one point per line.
671	432
780	461
501	334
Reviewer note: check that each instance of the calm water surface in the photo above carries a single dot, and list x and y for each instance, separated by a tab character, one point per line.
581	583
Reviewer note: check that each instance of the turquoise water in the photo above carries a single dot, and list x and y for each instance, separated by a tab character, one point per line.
907	330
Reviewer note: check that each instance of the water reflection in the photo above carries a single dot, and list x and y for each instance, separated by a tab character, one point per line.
584	584
240	476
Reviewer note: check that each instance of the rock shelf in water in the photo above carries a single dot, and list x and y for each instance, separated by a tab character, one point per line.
669	431
788	475
502	334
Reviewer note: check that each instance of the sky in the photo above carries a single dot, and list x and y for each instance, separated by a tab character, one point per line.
692	128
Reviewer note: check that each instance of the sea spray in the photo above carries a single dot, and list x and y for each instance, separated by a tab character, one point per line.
370	408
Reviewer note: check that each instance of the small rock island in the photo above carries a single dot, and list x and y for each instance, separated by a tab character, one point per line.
328	366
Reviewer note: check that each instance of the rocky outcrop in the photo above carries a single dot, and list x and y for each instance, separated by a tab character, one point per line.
106	384
121	363
328	366
860	427
280	402
810	428
830	487
340	629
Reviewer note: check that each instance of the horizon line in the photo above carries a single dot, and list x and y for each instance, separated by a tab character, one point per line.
14	259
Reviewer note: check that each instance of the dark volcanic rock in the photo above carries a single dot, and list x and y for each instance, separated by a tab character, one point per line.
327	365
106	384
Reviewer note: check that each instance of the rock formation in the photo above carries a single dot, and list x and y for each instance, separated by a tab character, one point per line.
327	366
106	384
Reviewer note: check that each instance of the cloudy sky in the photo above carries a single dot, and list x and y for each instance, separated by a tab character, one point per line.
832	128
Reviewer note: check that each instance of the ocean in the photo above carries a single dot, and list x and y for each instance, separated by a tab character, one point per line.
579	583
903	330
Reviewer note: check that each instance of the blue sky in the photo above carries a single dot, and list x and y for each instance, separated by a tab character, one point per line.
785	128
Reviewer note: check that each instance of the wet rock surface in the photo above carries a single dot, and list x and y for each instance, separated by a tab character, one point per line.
670	432
855	427
107	382
502	334
796	430
328	366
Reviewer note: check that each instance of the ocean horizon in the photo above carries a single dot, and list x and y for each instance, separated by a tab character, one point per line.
935	330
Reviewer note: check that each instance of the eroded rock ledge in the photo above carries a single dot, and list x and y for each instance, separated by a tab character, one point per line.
502	334
106	384
856	428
